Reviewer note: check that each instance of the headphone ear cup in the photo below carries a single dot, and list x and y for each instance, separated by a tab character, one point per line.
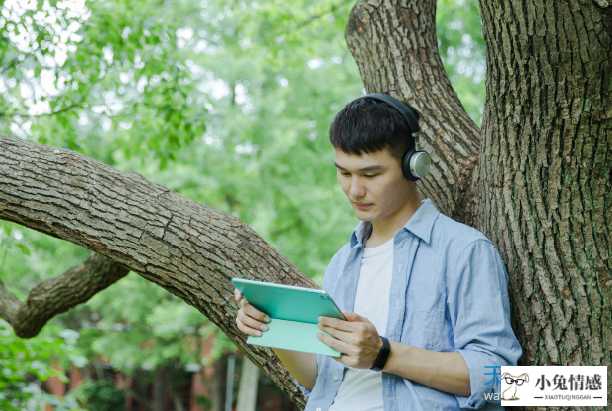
406	165
416	164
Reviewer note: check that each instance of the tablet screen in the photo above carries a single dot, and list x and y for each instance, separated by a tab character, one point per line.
287	302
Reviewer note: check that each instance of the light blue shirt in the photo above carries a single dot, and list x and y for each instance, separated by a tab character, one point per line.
449	292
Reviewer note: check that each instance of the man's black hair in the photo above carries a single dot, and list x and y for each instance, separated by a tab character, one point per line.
366	126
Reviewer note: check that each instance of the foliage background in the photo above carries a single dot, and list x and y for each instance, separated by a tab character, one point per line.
227	103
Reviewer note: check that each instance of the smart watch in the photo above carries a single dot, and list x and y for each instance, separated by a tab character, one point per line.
383	354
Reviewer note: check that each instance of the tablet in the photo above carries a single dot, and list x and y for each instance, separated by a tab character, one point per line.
293	312
288	302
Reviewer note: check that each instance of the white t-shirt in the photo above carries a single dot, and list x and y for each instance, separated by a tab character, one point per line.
361	389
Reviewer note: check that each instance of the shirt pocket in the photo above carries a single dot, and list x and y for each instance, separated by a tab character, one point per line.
425	326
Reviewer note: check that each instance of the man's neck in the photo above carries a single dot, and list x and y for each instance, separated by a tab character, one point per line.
384	229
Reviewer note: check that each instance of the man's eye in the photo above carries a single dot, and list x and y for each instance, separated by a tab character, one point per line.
365	175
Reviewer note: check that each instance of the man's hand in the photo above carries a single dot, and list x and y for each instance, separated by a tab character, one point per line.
249	319
302	366
357	338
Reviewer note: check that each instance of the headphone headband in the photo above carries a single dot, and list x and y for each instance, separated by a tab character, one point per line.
399	106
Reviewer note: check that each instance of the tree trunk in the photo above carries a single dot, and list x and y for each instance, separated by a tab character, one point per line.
229	382
541	188
219	383
249	382
160	382
536	180
544	184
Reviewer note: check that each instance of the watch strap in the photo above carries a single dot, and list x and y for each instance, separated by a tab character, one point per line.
383	354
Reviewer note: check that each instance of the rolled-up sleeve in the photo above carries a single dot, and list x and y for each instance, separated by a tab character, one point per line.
304	390
480	312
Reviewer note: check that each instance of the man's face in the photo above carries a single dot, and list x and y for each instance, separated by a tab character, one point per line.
375	180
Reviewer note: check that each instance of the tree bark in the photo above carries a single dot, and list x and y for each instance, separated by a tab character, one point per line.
545	167
56	295
186	247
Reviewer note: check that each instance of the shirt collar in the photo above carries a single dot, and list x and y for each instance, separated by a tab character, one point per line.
420	224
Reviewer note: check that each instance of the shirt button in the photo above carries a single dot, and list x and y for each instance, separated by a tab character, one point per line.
318	409
416	243
335	378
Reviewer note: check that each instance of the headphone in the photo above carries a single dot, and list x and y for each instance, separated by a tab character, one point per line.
416	162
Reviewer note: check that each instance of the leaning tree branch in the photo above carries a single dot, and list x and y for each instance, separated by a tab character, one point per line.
9	305
188	248
57	295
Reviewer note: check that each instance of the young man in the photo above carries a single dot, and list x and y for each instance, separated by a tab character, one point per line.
410	279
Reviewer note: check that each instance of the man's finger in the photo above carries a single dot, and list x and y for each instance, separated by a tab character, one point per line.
251	322
237	294
336	323
252	311
338	345
354	317
255	313
247	330
347	337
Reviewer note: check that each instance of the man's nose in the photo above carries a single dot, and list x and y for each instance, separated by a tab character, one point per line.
357	187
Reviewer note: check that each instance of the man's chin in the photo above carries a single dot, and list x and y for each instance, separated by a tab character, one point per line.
365	215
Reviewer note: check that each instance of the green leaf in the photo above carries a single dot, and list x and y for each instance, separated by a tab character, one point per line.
24	249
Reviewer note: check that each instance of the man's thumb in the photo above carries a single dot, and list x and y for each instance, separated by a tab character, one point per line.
352	316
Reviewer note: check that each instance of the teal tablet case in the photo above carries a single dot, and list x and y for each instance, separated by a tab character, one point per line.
293	312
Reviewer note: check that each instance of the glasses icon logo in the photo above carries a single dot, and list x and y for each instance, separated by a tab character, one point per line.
513	382
518	381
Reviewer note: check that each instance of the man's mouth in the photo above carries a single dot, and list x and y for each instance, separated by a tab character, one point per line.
363	205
